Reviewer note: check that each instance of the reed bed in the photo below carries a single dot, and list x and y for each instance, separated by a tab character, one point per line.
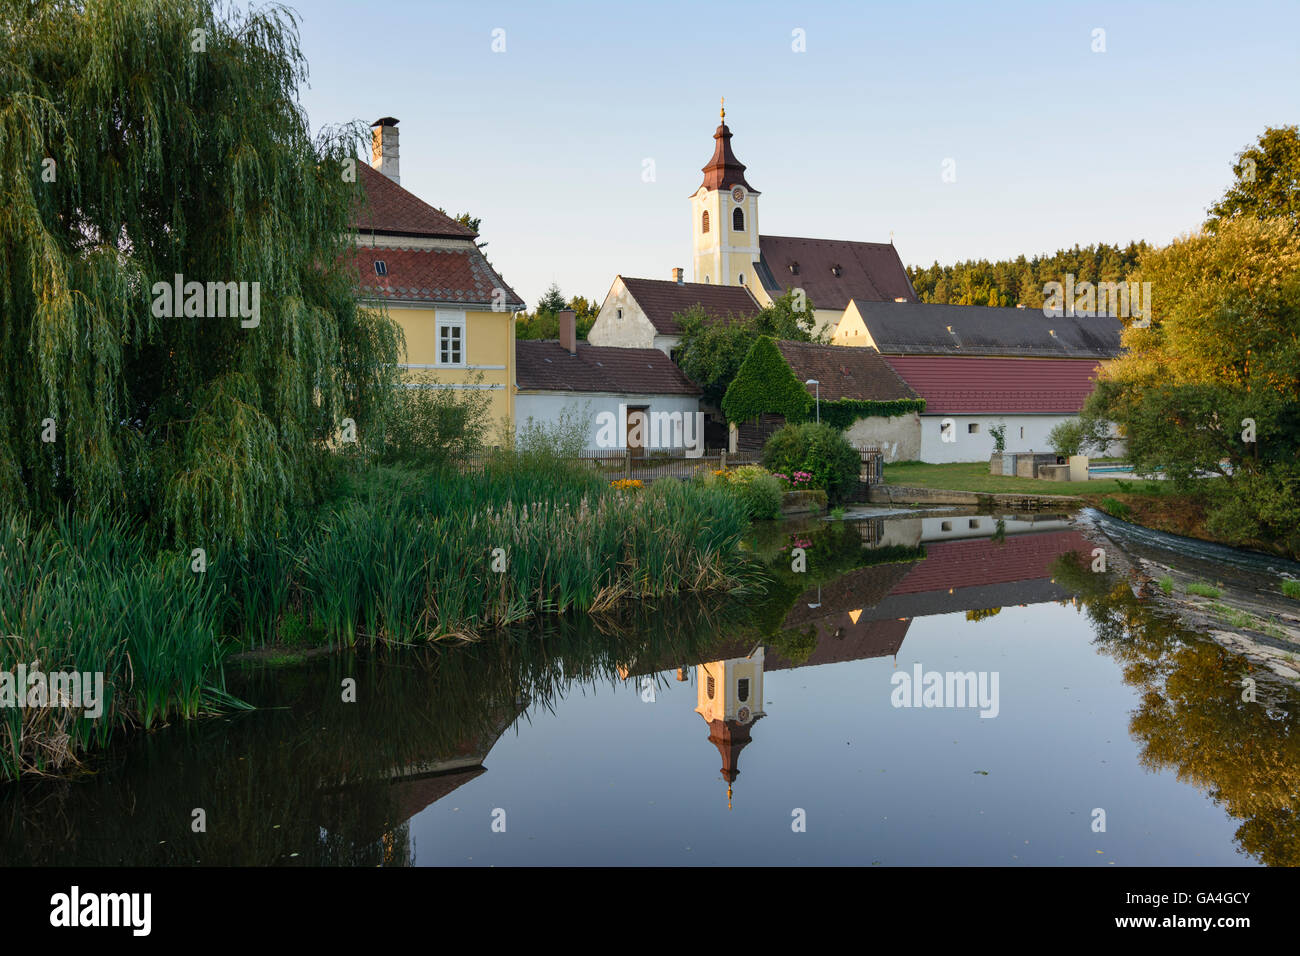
397	557
86	595
465	554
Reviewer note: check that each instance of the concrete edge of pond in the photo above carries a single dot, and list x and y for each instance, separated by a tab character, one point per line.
1273	642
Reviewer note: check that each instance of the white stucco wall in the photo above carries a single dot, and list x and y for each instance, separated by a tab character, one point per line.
898	436
633	331
1024	433
548	408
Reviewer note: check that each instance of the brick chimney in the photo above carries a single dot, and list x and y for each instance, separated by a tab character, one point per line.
679	276
569	330
383	147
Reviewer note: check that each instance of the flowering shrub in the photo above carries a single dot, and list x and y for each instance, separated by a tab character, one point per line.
623	484
757	489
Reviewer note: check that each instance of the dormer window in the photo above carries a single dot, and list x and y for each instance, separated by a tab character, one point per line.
381	267
704	222
836	270
794	268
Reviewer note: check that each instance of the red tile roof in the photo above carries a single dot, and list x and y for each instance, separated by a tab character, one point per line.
386	208
661	299
455	275
844	372
869	271
966	386
546	365
982	561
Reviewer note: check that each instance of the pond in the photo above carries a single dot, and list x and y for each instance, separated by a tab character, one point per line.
929	689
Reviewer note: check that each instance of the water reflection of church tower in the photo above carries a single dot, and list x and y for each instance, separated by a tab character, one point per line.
730	699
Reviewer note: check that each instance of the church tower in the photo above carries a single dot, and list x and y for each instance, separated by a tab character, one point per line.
729	696
724	212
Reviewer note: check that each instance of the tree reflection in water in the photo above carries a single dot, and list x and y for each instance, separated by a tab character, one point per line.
1193	718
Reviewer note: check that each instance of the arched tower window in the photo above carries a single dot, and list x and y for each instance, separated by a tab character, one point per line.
738	220
742	689
710	687
704	222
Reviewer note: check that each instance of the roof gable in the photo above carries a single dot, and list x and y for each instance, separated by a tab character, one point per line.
868	271
661	299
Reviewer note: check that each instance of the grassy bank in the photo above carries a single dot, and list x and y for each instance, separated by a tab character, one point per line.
394	557
974	476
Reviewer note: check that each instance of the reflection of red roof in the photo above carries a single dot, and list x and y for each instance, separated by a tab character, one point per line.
960	385
982	561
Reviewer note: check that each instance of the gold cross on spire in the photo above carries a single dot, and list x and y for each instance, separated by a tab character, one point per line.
723	111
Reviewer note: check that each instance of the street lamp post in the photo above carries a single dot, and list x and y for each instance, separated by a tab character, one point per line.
813	381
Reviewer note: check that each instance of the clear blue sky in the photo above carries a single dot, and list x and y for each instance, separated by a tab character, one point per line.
1053	144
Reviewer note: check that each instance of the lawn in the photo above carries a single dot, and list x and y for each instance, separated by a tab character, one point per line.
974	476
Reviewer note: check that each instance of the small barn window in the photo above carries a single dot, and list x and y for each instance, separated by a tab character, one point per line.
381	267
945	526
973	428
742	689
974	522
704	222
738	220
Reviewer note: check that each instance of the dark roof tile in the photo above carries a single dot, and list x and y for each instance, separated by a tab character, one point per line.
845	372
868	270
661	299
546	365
922	328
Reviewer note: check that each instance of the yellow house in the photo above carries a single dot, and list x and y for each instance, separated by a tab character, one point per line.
425	269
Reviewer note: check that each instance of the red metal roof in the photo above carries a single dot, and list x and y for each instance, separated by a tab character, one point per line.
966	386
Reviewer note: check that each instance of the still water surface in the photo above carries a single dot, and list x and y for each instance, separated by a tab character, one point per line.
595	741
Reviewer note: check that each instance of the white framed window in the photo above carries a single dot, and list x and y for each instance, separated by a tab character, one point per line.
451	336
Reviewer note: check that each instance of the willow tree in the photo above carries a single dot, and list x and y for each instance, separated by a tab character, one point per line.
141	141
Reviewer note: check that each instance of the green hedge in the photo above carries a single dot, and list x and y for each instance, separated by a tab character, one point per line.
765	384
843	413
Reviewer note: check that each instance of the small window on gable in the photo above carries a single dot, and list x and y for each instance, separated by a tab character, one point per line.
973	428
742	689
738	220
741	278
620	313
704	222
381	267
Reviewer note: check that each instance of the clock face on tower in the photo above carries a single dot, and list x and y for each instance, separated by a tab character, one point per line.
738	194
